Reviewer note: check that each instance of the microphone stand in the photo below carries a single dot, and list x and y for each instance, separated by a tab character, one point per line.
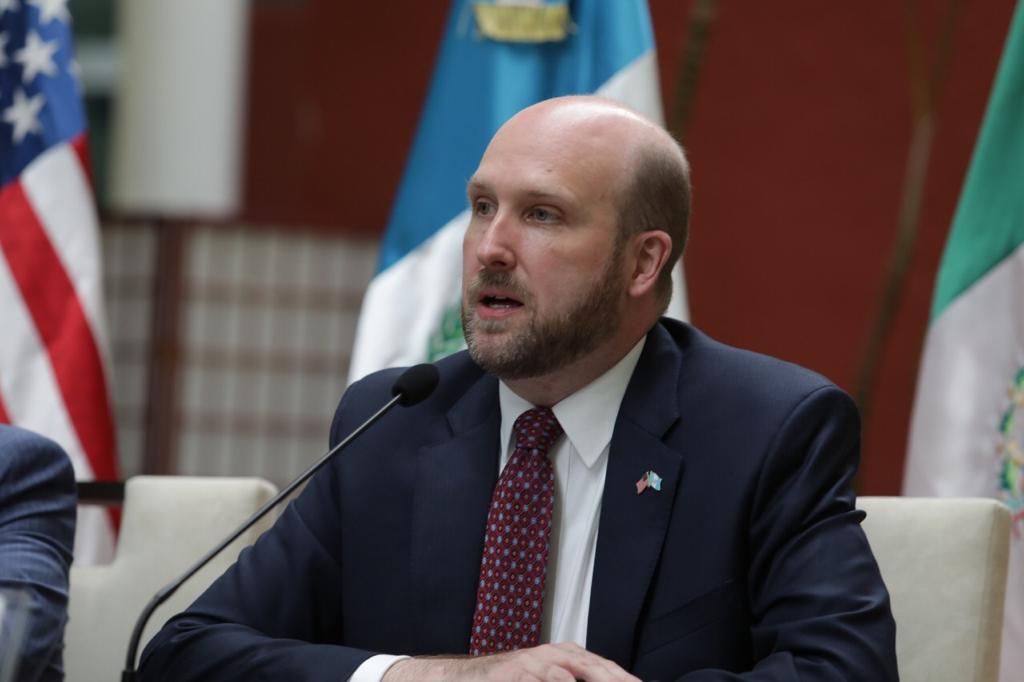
129	673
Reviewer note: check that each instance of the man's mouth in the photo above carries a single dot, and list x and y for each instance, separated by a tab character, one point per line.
497	296
500	302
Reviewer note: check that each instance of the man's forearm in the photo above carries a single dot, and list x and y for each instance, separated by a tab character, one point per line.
564	662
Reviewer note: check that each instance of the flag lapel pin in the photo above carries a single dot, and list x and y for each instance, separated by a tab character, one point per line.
651	480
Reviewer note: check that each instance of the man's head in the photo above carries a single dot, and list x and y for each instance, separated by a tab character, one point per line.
579	209
657	197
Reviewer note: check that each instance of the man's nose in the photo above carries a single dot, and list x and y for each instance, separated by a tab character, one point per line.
495	250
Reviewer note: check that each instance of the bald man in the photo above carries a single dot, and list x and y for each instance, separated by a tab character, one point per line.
593	492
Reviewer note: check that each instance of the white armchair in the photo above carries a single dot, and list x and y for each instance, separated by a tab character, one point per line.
944	561
168	522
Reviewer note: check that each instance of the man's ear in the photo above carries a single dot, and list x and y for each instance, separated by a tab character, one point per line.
650	251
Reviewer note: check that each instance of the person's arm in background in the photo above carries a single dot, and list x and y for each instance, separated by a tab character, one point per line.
37	530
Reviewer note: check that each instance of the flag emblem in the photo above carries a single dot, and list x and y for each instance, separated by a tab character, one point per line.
1011	469
648	480
522	22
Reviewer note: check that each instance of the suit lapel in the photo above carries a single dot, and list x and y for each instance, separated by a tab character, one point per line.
633	527
452	495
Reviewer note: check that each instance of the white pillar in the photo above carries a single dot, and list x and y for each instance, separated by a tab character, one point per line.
178	116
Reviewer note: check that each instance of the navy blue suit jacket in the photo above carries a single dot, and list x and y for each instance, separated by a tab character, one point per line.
37	530
749	564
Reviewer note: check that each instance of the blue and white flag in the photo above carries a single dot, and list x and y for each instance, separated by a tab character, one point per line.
496	58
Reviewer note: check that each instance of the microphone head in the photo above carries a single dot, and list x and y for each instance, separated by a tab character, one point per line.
415	384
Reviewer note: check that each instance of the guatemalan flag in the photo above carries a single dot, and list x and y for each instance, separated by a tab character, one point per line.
52	344
496	58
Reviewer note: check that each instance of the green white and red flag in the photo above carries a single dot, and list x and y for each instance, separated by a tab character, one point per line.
967	430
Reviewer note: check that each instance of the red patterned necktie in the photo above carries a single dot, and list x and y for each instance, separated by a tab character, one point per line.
510	599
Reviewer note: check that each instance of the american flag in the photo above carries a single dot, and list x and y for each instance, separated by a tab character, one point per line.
52	342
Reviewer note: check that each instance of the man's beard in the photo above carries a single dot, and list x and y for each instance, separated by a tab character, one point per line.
546	344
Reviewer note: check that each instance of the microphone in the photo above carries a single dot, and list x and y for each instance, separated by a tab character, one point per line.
412	387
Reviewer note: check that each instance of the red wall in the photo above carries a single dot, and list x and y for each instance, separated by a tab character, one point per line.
798	138
335	90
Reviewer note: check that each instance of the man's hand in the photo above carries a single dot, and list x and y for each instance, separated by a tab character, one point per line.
564	662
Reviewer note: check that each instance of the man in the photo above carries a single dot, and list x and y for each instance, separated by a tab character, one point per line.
37	530
694	521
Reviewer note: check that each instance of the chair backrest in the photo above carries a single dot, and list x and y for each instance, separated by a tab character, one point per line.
944	561
167	523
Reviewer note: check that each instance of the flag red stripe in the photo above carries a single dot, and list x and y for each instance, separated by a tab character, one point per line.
80	145
62	325
4	419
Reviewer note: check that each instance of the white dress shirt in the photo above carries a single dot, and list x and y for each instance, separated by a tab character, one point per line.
580	459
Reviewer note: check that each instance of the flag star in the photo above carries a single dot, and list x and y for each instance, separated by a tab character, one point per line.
51	9
3	48
23	114
8	5
75	69
36	57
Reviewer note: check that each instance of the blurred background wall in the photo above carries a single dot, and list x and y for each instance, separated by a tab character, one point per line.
231	335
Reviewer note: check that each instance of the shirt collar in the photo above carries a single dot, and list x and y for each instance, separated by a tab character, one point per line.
587	416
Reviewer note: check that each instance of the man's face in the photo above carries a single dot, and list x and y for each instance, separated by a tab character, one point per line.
543	277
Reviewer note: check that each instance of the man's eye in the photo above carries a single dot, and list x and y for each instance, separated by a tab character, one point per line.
483	208
542	215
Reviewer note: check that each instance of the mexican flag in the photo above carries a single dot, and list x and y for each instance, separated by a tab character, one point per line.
967	430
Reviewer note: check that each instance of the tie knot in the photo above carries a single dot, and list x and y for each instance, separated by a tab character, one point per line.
537	429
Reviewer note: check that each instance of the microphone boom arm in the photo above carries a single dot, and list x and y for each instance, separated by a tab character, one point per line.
129	673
